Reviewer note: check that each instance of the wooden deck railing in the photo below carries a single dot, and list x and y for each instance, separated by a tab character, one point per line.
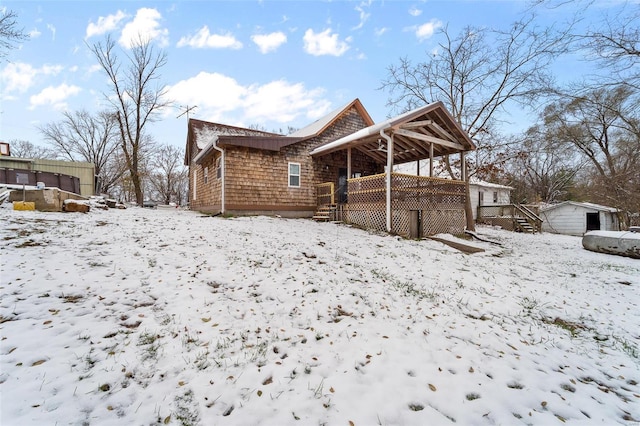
372	189
511	211
325	194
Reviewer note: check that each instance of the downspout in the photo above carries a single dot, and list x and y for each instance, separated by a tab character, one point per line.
222	174
389	170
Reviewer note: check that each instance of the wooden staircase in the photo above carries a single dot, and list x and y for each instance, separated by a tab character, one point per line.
523	225
325	213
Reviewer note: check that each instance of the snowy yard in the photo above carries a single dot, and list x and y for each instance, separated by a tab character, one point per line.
169	317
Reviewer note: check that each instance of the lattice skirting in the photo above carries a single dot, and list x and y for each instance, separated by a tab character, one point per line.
437	221
366	215
443	221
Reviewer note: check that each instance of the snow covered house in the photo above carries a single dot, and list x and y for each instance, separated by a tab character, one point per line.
575	218
340	166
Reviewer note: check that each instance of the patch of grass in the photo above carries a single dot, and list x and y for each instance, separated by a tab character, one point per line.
628	347
186	412
150	342
471	396
530	304
574	328
416	407
72	298
408	288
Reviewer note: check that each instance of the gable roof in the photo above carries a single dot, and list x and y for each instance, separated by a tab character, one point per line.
318	126
591	206
205	133
413	132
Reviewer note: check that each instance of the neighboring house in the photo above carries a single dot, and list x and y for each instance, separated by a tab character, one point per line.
71	176
484	193
342	163
575	218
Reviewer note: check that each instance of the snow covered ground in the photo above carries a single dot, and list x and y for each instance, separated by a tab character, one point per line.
169	317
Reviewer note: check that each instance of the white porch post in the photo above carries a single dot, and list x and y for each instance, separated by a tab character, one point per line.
389	171
431	160
463	167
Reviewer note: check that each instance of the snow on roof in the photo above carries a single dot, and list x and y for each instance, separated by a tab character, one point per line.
581	204
205	132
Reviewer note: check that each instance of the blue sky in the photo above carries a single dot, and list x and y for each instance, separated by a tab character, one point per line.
271	63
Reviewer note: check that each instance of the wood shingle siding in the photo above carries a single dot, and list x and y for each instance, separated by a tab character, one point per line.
257	167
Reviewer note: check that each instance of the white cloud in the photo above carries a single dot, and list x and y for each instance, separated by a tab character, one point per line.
414	11
269	42
54	96
279	101
94	68
324	43
222	99
212	92
204	39
105	24
53	31
381	31
426	30
51	69
34	33
144	27
364	16
20	77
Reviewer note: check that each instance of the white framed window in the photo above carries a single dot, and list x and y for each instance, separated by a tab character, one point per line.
195	184
219	167
294	175
206	175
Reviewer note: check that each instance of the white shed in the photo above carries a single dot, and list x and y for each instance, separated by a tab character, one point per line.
488	194
574	218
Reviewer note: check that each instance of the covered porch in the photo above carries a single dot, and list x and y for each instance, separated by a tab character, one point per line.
407	205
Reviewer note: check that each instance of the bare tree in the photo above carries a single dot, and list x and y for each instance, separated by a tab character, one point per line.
10	34
136	97
25	149
615	41
603	126
543	169
168	175
81	136
478	74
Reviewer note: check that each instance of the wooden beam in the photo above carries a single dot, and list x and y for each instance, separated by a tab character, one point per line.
430	139
414	124
442	132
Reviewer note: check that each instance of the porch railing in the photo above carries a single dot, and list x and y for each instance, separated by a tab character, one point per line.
325	194
510	212
437	204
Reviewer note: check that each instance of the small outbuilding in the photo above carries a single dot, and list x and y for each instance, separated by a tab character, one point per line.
575	218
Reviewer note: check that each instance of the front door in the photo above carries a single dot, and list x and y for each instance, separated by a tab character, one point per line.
342	186
593	221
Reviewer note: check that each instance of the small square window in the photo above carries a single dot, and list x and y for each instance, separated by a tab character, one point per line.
294	174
